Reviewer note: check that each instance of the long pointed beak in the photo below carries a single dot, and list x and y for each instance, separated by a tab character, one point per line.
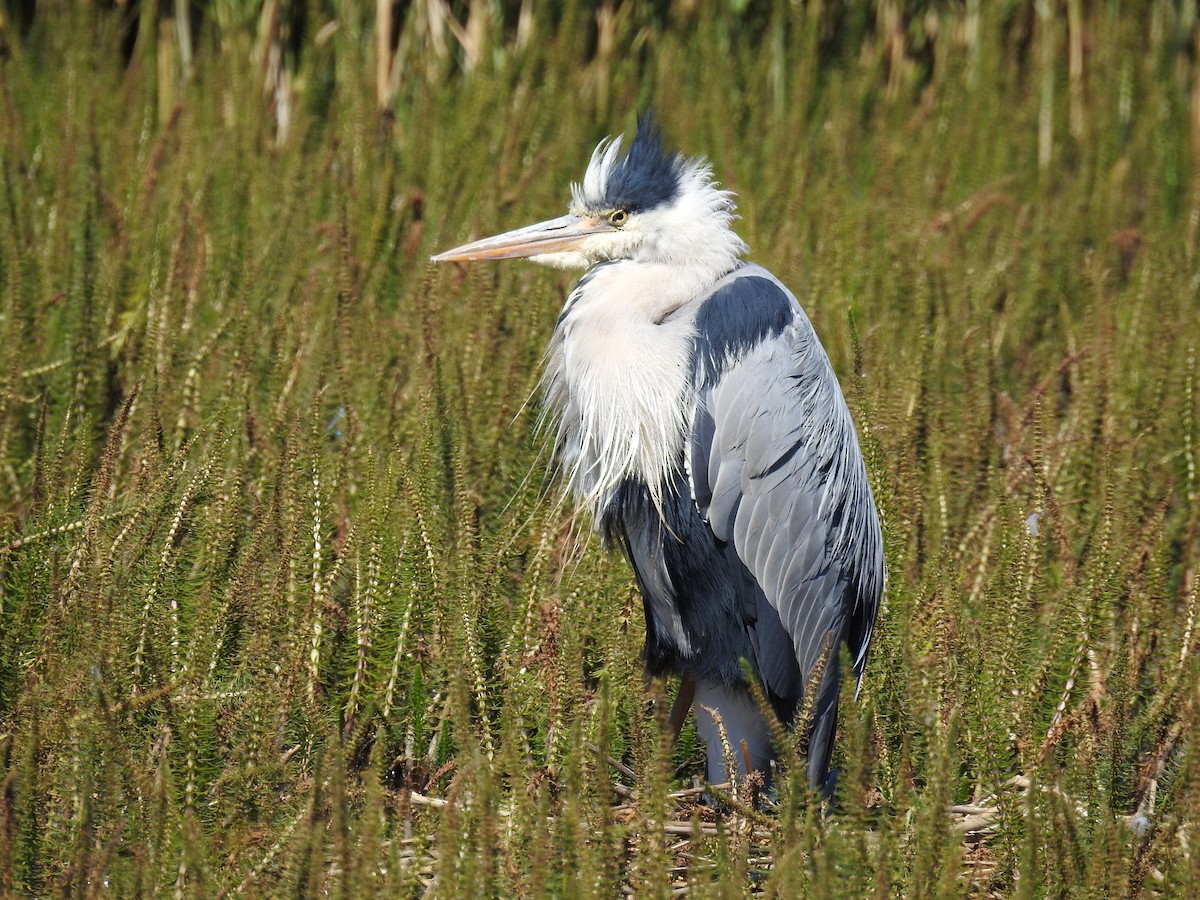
553	236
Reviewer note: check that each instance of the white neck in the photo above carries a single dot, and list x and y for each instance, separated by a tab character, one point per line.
617	375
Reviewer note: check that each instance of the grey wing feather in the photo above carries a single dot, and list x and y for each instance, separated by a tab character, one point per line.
781	480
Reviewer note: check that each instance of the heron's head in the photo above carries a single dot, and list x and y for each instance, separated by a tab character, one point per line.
646	205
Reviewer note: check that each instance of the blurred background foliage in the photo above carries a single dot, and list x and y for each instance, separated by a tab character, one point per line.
288	604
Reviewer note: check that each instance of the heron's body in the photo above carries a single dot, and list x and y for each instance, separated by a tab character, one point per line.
697	417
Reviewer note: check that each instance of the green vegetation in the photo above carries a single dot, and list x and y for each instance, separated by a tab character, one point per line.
288	605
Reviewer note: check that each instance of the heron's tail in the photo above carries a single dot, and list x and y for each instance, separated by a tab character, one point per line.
824	729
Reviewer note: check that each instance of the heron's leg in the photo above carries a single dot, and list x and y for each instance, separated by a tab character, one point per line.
682	705
743	723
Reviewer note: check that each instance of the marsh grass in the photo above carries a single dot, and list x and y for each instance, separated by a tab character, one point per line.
287	603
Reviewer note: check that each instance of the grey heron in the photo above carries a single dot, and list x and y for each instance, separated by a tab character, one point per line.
697	417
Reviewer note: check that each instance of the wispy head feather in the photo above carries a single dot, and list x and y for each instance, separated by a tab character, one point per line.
644	178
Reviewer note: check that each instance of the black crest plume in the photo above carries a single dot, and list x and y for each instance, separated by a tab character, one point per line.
647	176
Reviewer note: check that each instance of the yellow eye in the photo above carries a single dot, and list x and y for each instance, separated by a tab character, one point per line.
618	217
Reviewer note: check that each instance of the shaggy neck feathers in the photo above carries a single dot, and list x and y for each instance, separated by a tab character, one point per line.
615	384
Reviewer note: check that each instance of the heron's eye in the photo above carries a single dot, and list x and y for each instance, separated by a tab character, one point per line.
618	217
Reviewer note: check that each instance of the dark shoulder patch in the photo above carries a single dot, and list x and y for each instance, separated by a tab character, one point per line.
737	316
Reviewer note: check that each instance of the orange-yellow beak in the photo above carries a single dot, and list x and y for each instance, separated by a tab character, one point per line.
554	236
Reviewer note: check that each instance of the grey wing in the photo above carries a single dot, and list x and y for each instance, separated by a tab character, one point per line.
778	474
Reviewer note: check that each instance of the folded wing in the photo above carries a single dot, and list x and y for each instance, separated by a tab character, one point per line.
777	473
